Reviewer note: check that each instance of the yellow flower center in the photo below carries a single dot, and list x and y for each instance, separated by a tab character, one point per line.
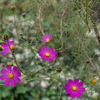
0	46
47	54
74	88
10	75
47	40
93	81
12	47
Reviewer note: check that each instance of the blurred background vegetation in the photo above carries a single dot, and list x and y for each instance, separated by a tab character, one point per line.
81	15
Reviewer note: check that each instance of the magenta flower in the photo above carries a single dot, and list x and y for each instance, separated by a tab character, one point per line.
10	75
7	46
47	54
74	88
47	38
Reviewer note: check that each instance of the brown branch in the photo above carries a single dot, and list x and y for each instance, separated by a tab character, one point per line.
40	19
62	20
61	28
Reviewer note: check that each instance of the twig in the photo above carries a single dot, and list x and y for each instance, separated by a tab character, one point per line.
40	20
61	28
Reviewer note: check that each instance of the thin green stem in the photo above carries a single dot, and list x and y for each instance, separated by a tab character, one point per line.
15	23
16	61
82	70
16	26
35	79
37	56
43	78
60	92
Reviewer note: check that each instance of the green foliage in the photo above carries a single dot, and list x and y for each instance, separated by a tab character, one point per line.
80	36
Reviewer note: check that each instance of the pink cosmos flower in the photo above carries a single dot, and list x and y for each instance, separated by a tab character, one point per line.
10	75
47	38
7	46
47	54
74	88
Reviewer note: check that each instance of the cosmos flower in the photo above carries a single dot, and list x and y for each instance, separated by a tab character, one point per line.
47	38
10	75
74	88
47	54
6	47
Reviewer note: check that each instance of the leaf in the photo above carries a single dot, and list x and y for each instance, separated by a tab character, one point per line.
21	89
6	93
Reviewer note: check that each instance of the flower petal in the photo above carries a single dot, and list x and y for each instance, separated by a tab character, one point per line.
45	48
69	91
43	56
80	84
44	40
76	81
43	37
54	53
5	51
7	81
50	36
50	49
70	82
40	50
49	59
4	71
18	80
13	82
81	89
10	41
15	69
17	74
47	35
3	77
78	94
4	45
72	94
8	68
66	86
53	57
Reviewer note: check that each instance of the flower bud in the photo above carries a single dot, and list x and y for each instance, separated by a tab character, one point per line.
21	34
93	81
58	69
10	63
24	15
12	6
93	75
87	61
5	37
95	71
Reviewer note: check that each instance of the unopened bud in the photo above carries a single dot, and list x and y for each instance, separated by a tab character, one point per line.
21	34
93	75
93	81
5	37
58	69
10	63
87	61
12	6
24	15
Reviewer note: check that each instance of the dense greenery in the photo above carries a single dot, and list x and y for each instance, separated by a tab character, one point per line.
76	42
